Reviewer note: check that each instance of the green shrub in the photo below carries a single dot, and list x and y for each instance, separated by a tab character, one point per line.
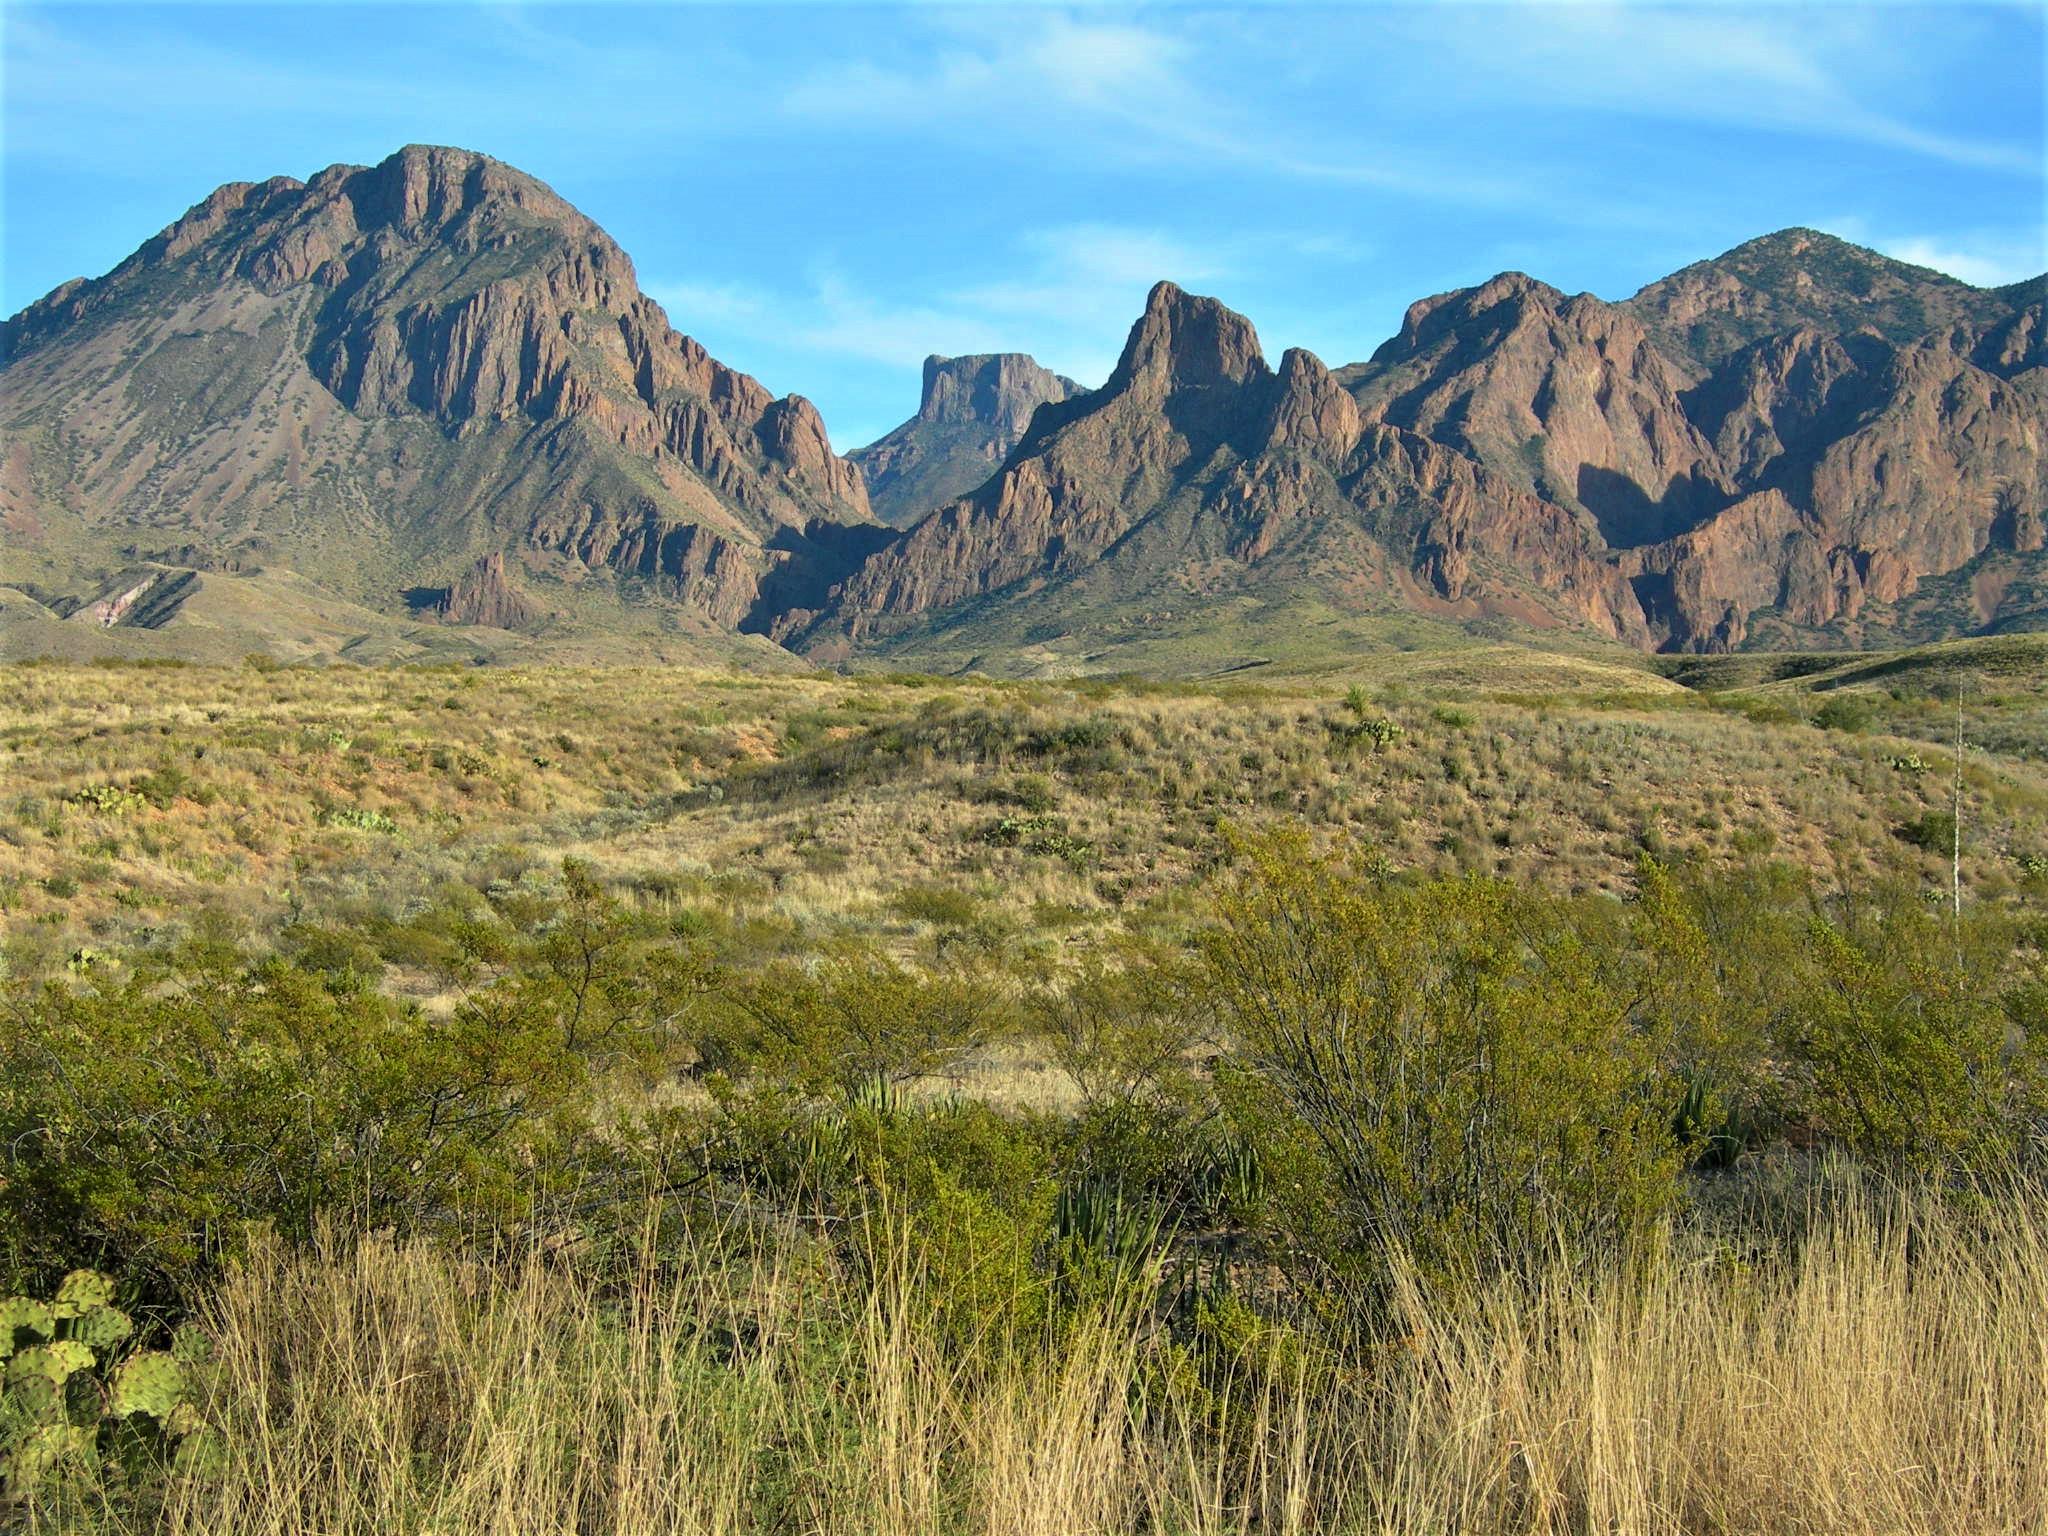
1124	1024
943	906
146	1123
1847	712
1906	1037
163	784
1451	1058
1933	831
855	1017
1039	834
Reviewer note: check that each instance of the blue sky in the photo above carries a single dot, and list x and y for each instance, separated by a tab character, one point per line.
822	194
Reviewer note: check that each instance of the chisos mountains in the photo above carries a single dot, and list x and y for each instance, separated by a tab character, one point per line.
419	387
973	412
423	408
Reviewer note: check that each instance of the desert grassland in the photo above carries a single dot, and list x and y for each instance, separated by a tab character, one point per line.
1488	1091
130	797
1883	1378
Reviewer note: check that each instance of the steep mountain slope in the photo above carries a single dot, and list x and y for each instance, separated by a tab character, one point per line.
382	376
1804	279
423	409
1778	433
972	413
1750	452
1198	483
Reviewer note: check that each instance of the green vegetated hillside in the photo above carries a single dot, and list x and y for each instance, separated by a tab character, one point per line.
956	1104
1022	1106
833	796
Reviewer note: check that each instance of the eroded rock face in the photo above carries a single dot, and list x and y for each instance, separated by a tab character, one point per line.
1084	471
971	414
1747	440
1565	396
436	371
413	362
485	594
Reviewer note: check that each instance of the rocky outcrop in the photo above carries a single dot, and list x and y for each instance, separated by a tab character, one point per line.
1565	397
1746	440
972	413
485	594
397	363
1083	472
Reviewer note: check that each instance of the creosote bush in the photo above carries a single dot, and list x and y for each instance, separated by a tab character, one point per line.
1463	1067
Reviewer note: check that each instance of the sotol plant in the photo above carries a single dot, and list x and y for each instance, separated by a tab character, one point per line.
69	1399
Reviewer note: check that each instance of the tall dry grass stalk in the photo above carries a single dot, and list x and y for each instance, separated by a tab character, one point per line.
1890	1379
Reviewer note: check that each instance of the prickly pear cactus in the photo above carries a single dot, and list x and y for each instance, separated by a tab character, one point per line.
80	1291
190	1345
41	1451
100	1328
57	1361
35	1400
23	1319
152	1382
65	1406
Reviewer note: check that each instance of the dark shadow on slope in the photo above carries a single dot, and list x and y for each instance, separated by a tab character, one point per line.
1629	517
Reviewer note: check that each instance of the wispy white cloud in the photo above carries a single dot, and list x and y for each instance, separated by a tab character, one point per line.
1140	91
1988	264
1814	70
1066	295
1001	64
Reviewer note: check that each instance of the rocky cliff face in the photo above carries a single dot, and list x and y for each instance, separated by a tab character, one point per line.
385	372
1085	470
972	413
433	376
485	594
1783	445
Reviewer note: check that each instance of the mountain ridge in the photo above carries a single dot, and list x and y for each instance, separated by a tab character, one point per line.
972	410
434	375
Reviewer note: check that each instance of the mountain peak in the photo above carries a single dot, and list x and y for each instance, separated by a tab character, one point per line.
972	412
427	186
999	390
1428	320
1813	256
1186	340
1804	277
437	288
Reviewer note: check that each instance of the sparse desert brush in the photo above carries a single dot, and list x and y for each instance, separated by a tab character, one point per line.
687	770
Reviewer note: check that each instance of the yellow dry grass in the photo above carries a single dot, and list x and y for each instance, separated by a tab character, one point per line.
1885	1380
